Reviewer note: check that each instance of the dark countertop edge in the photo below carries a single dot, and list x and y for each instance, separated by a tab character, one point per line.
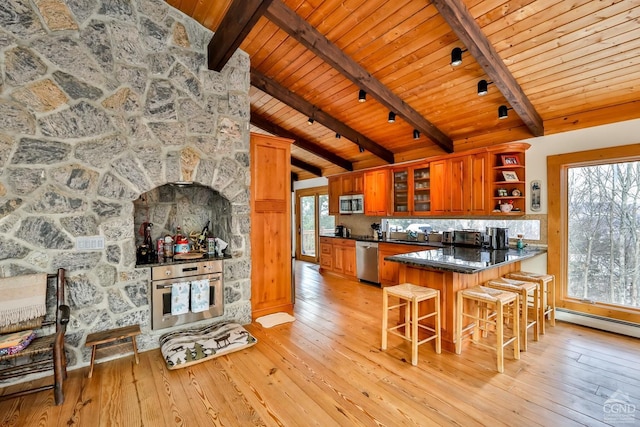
392	241
171	261
455	268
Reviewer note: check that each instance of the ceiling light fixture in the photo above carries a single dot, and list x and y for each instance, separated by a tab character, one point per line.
456	56
503	112
362	96
416	134
338	136
392	117
310	121
483	87
361	149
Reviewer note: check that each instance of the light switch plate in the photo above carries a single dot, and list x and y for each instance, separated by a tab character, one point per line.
90	243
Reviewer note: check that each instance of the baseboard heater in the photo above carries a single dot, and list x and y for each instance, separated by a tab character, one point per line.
598	322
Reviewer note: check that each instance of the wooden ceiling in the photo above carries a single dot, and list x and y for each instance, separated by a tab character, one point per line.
557	65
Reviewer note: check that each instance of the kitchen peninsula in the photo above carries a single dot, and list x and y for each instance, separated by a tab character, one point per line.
450	269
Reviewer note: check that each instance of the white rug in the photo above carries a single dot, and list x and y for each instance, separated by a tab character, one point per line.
275	319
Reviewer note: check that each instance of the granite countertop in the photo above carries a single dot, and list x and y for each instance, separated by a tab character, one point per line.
160	260
464	259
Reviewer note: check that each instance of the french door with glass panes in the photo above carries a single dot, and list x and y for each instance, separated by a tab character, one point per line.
312	221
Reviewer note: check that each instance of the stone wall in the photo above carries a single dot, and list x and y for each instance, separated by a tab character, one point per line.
100	102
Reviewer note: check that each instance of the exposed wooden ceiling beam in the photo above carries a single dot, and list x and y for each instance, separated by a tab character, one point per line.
240	18
313	40
306	166
469	32
266	125
298	103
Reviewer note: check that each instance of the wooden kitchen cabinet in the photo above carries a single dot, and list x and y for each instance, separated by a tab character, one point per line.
352	183
270	203
338	256
335	191
467	184
388	272
376	192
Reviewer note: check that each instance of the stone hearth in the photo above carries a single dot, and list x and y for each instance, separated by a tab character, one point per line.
100	102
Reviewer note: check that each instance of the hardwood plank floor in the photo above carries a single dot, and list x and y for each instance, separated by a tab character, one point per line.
326	369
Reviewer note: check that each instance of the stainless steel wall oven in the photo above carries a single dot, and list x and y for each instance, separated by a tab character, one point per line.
162	281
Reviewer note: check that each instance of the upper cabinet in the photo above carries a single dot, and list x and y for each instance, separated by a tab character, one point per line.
340	185
376	191
468	185
484	181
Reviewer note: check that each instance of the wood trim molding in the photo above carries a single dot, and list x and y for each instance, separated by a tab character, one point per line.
557	253
312	39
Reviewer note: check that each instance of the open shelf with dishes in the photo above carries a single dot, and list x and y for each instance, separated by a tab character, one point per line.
508	185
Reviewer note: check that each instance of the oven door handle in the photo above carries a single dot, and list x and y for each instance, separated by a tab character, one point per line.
168	286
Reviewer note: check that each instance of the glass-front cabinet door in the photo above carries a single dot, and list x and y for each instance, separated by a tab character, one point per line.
401	191
421	189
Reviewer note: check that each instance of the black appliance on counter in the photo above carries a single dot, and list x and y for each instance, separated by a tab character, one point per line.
498	238
341	231
467	238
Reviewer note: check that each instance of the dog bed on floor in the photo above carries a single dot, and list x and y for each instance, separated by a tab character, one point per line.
188	347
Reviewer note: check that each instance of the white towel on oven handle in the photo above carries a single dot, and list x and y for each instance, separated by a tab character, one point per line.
199	295
179	298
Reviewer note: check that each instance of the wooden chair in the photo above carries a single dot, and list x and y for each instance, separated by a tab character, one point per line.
46	351
410	296
489	309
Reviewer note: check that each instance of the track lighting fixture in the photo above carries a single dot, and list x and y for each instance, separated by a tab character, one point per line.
503	112
483	87
310	121
338	136
416	134
392	117
456	56
362	96
361	149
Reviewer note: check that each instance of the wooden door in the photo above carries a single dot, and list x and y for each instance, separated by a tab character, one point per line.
270	225
457	169
349	260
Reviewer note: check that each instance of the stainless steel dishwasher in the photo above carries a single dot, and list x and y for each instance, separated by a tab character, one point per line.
367	261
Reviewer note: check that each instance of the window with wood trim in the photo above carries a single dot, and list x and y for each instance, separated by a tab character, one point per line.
594	231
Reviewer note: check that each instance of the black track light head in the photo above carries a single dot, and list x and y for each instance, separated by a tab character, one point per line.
362	96
392	117
416	134
456	56
483	87
361	149
310	121
338	136
503	112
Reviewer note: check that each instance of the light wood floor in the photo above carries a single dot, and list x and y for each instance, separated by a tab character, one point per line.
326	369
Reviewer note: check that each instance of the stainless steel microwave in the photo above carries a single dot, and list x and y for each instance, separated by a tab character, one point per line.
352	204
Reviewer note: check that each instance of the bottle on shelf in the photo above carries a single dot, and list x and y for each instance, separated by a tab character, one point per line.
202	238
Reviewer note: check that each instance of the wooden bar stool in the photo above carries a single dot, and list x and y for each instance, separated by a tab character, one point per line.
547	284
529	297
410	296
490	308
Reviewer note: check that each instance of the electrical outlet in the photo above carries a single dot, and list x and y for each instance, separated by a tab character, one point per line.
90	243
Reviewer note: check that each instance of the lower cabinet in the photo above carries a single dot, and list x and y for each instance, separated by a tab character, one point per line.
338	256
389	271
